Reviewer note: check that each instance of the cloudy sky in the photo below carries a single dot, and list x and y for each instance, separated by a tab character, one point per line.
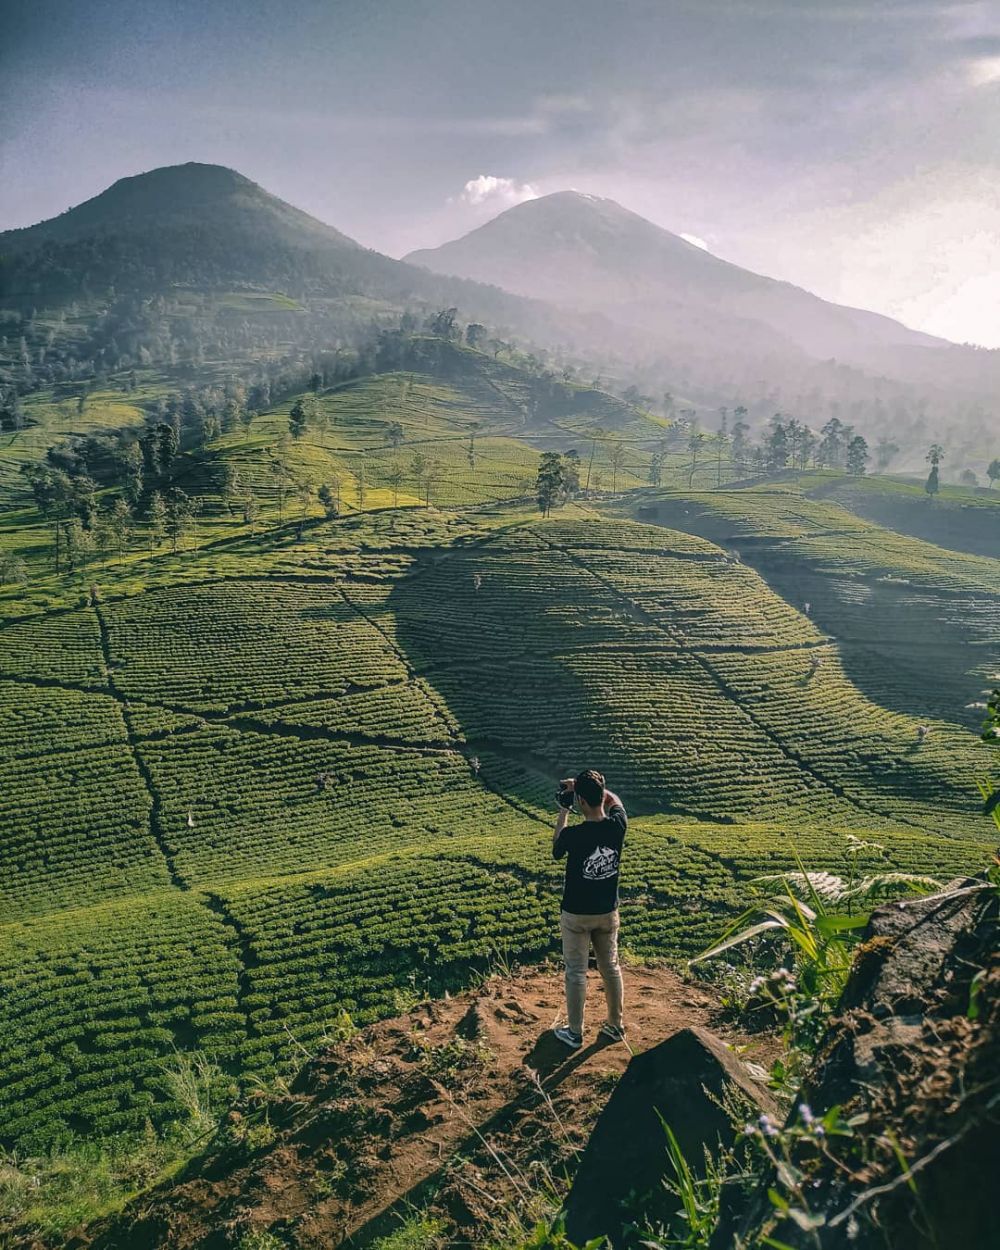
853	148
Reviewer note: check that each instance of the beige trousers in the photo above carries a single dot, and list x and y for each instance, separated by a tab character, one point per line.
578	932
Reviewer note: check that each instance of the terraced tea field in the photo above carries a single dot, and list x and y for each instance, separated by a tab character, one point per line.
917	625
247	788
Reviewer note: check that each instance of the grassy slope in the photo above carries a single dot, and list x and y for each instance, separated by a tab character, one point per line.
958	517
917	625
323	768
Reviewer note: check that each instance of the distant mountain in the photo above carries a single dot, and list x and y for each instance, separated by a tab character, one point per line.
186	224
208	197
209	228
592	254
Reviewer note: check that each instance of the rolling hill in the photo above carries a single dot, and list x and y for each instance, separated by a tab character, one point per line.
251	787
917	625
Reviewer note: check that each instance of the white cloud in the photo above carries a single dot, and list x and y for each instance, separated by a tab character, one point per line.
693	238
981	71
493	190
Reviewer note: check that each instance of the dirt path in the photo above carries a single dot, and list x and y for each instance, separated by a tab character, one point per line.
468	1106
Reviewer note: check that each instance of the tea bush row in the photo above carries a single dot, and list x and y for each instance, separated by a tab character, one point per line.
243	804
244	642
93	1000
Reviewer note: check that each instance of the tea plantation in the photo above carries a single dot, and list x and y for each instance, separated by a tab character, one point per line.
255	784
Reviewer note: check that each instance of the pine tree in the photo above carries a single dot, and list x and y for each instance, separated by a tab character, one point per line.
297	420
549	482
857	456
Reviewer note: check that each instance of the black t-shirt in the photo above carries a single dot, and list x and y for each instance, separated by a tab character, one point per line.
593	853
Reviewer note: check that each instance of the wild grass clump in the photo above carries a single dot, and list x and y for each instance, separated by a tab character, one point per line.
75	1182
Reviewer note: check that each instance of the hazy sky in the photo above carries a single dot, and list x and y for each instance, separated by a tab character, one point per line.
853	148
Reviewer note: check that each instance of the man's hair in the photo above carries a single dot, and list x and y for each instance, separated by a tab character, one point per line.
590	787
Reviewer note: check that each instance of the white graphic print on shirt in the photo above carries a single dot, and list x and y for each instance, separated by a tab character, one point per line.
600	864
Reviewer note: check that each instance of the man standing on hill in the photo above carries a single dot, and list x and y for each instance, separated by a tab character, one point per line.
590	898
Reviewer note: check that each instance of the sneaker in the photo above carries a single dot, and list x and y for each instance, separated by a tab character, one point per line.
614	1031
568	1038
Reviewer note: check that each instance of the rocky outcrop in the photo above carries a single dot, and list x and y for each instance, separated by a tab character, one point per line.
681	1082
913	1062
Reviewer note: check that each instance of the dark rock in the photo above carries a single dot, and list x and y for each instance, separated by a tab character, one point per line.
905	1054
626	1159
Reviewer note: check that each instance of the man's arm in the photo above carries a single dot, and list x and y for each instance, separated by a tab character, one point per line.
561	820
559	851
611	802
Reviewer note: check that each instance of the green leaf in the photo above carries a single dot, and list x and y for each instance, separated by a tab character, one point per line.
745	936
828	925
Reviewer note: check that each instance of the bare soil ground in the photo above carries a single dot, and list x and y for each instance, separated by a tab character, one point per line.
467	1106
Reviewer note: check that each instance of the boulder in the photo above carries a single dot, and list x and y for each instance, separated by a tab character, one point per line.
682	1080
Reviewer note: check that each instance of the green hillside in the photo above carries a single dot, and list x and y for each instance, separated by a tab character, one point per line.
958	517
476	423
257	783
917	625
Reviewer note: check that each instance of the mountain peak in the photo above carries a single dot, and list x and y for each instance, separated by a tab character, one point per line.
189	195
192	176
589	253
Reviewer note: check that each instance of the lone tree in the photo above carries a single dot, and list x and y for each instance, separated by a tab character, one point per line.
431	476
571	473
418	467
231	487
595	433
156	512
297	420
442	323
722	442
741	445
857	456
121	526
993	471
395	434
331	505
251	509
695	440
777	445
180	514
549	483
475	334
935	455
656	469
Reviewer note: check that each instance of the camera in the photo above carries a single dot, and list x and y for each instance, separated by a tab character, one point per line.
565	798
